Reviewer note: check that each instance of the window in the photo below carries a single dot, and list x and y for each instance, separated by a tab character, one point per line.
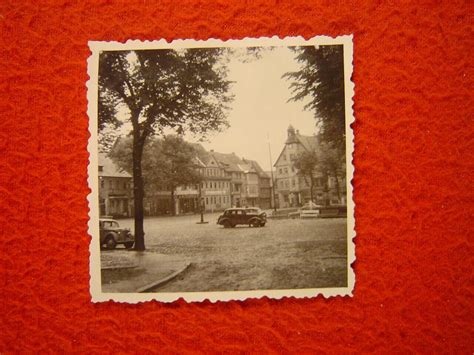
286	170
110	224
280	171
125	185
207	201
293	182
101	168
102	182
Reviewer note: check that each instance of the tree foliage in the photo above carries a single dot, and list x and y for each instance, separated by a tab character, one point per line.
306	164
157	89
168	162
332	165
321	81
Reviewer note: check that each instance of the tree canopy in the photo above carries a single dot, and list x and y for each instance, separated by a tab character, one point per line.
185	89
306	164
168	162
151	90
321	81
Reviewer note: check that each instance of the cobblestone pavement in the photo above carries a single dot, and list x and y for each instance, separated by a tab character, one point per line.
284	254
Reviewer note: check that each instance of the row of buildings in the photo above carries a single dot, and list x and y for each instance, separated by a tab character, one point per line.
228	181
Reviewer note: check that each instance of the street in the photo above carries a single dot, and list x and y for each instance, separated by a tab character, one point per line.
284	254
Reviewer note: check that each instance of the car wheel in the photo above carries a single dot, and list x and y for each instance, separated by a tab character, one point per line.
227	224
262	224
128	245
110	243
255	223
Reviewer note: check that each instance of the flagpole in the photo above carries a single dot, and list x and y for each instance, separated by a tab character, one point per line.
271	172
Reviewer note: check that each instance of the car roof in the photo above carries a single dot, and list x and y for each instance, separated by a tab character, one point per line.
107	220
242	208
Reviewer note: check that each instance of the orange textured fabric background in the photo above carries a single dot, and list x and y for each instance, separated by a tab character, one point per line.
413	156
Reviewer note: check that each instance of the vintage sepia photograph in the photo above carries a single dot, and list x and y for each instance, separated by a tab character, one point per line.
221	170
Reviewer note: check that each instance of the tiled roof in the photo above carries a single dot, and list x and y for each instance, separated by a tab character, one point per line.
229	161
109	169
259	169
202	154
246	167
309	142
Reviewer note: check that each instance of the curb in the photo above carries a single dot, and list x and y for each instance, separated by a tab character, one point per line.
162	281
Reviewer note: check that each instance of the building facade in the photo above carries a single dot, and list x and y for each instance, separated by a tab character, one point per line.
227	181
216	184
292	188
115	189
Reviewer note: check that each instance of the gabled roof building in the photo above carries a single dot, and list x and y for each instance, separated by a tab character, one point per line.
115	189
292	188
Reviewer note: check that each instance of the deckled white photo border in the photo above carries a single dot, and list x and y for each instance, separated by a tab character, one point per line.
92	95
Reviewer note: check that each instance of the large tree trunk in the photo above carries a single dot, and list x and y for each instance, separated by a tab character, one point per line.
138	191
311	188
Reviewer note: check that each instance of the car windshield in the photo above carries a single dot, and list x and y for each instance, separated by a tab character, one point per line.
110	224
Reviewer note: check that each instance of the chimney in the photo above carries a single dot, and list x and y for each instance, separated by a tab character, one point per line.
297	131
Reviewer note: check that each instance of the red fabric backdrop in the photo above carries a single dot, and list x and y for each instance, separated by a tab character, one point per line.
413	181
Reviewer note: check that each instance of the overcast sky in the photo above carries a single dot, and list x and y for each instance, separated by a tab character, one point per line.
260	108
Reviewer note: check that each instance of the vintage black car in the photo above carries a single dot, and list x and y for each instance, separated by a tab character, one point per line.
111	234
252	216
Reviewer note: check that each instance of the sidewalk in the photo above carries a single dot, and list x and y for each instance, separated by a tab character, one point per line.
131	271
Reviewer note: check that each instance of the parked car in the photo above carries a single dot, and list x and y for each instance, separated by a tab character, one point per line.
111	234
252	216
